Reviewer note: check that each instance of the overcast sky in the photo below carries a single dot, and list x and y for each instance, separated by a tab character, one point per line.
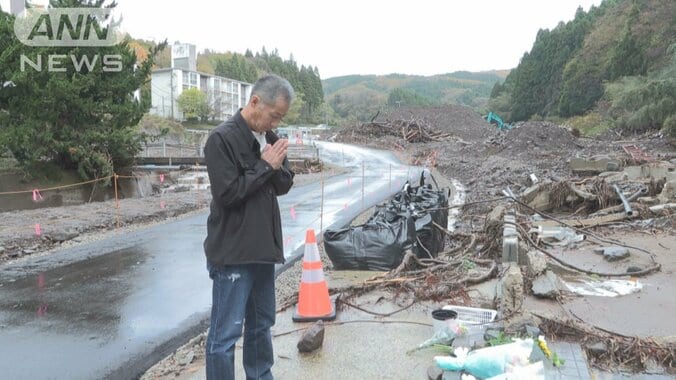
422	37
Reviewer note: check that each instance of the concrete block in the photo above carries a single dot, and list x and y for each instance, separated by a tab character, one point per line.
511	290
510	241
656	171
650	201
510	250
581	165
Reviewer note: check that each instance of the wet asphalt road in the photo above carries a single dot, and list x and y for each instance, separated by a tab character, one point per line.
112	308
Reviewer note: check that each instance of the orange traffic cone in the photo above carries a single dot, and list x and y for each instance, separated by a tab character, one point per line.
313	296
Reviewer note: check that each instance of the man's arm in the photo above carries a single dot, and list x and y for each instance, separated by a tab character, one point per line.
228	186
282	180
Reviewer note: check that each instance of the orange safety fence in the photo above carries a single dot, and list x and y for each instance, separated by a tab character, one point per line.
38	227
37	197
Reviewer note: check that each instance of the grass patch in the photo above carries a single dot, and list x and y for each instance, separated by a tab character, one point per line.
500	340
589	125
8	164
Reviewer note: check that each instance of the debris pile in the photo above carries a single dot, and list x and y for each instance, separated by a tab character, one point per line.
410	131
555	217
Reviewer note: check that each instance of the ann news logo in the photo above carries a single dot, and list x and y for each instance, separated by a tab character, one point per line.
68	27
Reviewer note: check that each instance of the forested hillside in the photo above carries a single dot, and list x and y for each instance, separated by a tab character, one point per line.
360	96
614	65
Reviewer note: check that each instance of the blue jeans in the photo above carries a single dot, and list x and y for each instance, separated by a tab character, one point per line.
242	295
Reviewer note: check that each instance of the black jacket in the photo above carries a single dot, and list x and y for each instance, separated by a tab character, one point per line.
244	225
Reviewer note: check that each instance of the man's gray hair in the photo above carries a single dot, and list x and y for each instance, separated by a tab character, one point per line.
271	87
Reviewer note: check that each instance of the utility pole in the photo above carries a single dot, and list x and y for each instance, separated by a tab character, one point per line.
172	93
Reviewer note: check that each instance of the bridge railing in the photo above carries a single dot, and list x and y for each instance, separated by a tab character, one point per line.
172	150
296	152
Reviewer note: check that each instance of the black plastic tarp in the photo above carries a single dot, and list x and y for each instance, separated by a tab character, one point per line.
406	221
371	246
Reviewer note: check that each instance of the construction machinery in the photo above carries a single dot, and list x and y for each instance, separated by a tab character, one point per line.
493	118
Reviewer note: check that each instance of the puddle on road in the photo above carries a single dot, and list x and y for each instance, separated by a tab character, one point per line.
82	296
607	288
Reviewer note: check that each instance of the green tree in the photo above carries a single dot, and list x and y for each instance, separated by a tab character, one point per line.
304	79
83	117
234	66
627	56
193	104
536	85
582	87
407	97
293	115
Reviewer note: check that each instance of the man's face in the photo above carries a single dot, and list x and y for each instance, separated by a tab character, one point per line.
268	116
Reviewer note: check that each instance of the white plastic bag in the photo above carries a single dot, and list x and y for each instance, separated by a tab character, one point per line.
490	361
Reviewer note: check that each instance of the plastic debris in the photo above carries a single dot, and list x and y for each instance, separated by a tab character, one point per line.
490	361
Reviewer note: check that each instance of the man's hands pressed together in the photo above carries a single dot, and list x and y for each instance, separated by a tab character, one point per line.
275	154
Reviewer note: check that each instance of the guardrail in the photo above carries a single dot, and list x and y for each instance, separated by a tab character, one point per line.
180	154
172	150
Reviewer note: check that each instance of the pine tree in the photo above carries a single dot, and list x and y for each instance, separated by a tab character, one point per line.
82	118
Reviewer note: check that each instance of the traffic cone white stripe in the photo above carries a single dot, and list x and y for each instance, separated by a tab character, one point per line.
314	301
311	253
312	276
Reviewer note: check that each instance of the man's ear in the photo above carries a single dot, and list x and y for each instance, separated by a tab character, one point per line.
254	100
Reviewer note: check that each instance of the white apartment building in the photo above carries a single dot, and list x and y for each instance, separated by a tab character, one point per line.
224	96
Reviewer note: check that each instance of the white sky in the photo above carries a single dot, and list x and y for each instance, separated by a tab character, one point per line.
423	37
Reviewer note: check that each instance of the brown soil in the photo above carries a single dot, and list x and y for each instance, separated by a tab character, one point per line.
486	160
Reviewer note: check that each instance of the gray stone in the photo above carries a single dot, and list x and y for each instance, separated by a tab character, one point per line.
185	358
634	269
668	192
511	289
312	338
61	236
612	253
495	216
547	285
533	331
2	250
434	372
615	253
597	348
492	334
517	326
536	263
